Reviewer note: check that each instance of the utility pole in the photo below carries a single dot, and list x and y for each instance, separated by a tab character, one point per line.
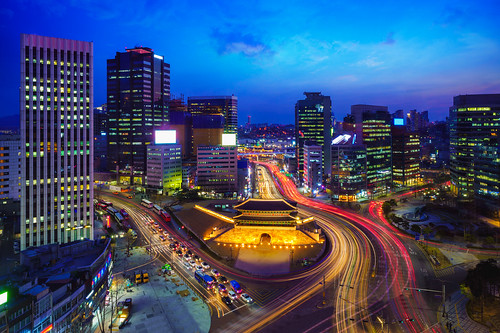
444	300
324	290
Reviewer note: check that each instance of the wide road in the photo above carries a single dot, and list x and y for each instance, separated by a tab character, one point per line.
381	289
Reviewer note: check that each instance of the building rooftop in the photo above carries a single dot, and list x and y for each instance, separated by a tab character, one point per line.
266	205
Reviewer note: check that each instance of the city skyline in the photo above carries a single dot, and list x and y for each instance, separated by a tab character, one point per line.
269	54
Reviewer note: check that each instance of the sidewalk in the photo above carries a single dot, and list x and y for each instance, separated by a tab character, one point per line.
157	305
457	320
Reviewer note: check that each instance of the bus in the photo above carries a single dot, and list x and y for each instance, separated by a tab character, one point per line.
204	279
104	204
147	203
157	209
165	216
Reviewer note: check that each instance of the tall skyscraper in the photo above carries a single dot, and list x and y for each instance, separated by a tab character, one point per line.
475	148
405	155
373	125
313	123
56	140
210	105
138	96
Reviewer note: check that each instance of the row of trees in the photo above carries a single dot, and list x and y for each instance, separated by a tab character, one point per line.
484	283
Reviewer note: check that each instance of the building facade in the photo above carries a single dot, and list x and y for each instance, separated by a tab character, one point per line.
224	105
313	122
138	87
313	167
348	169
373	125
164	167
217	169
10	167
56	140
101	138
475	148
405	156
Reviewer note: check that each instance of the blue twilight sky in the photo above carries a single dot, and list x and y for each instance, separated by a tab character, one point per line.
404	54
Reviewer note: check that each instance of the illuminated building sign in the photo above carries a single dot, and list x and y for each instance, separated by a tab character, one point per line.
165	136
229	139
4	297
100	274
399	121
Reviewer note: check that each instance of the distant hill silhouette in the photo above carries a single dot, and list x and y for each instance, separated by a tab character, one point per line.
9	122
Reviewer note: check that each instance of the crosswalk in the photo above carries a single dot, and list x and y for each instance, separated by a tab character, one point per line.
263	296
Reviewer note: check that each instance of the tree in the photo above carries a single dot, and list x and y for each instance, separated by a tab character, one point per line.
483	280
415	228
386	207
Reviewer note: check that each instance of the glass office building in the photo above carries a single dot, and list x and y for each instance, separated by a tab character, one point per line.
138	94
475	148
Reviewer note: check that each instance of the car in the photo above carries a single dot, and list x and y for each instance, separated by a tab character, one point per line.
215	272
198	268
165	233
156	225
192	263
154	231
183	247
222	287
232	295
163	238
224	293
129	196
115	192
189	252
179	253
128	302
226	300
236	286
172	246
222	279
170	237
246	298
187	265
187	257
196	257
205	265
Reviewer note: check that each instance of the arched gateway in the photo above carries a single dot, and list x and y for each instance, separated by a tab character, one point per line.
265	239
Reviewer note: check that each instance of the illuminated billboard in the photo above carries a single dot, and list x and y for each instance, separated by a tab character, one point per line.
3	297
165	136
399	121
229	139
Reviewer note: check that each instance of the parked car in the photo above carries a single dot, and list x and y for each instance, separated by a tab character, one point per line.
222	279
192	263
215	272
205	265
199	268
196	257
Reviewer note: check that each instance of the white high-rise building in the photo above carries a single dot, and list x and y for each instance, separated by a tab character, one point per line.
56	140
